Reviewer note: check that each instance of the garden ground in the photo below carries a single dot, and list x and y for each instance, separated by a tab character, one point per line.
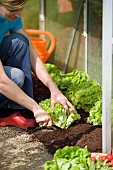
30	149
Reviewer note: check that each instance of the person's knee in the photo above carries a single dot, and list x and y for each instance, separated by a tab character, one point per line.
22	37
15	75
17	37
18	76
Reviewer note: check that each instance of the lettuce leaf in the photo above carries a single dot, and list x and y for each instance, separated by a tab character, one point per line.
95	114
75	158
84	95
71	158
59	115
63	81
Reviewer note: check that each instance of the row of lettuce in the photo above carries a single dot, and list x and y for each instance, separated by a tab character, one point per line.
82	92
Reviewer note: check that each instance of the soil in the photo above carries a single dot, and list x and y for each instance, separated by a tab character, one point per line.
31	148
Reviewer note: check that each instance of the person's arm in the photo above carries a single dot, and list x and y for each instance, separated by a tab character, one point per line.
39	69
9	89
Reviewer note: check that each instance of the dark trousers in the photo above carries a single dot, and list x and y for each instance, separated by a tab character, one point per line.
15	57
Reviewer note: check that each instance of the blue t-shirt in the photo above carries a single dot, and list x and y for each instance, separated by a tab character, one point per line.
6	26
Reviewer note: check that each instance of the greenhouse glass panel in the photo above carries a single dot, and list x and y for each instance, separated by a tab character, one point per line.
95	40
65	20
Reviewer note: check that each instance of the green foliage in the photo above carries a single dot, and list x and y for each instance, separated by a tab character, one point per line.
63	81
59	115
95	114
81	92
53	71
69	158
75	158
84	95
73	77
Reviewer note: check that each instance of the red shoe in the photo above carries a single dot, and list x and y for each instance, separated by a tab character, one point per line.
17	120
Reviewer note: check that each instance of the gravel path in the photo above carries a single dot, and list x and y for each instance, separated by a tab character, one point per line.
18	152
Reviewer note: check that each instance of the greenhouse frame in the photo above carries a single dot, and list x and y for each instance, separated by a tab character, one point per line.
107	74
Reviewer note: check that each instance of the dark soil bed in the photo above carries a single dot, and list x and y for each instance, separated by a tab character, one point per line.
80	134
29	149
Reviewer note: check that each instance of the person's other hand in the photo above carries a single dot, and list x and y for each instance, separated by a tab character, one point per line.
60	98
42	117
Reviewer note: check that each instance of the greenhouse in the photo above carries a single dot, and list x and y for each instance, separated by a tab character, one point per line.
74	39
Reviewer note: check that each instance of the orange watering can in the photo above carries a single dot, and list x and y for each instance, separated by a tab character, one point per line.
40	44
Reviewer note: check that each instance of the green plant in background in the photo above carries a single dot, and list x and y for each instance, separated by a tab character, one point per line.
84	94
63	81
95	114
53	71
30	14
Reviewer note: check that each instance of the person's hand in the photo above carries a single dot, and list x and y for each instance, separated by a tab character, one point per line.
60	98
42	117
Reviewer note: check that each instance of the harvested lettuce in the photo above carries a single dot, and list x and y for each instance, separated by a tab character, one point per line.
59	115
